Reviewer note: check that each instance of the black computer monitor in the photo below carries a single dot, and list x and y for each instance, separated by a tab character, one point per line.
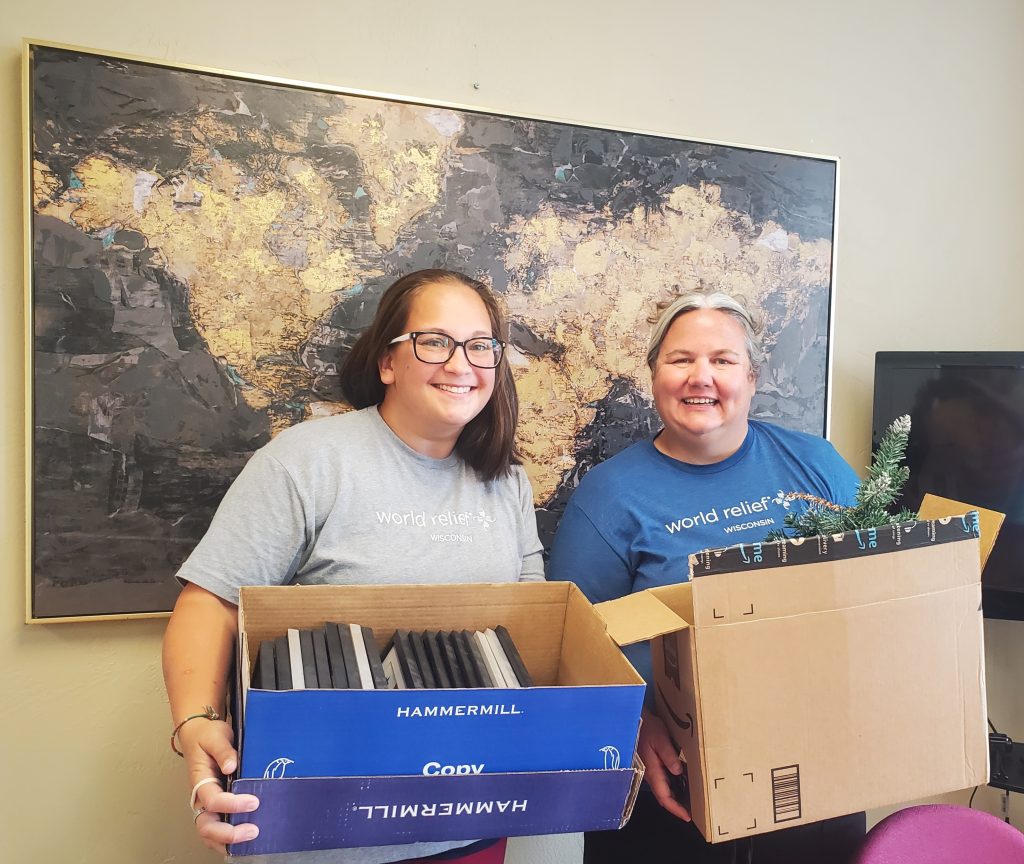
966	443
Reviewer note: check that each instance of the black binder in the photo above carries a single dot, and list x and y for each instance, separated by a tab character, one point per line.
514	659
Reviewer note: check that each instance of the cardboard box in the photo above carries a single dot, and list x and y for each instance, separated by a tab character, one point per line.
339	768
813	678
989	521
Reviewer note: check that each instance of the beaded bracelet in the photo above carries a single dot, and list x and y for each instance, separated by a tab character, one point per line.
207	712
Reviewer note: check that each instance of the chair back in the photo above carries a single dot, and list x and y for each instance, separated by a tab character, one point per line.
942	834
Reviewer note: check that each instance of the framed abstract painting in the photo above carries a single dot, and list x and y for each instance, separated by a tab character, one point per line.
205	246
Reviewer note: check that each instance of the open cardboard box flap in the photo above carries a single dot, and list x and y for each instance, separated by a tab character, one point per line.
990	521
643	616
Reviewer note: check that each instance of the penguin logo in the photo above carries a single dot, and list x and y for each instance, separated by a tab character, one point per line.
275	770
611	757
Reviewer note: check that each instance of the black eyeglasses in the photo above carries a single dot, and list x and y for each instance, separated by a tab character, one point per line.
484	352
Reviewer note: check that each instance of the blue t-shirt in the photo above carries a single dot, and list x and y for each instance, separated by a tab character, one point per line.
634	520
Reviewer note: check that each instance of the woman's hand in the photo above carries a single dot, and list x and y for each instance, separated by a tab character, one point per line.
198	647
209	753
660	758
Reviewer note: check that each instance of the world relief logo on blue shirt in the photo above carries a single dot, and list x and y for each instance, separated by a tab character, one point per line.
748	510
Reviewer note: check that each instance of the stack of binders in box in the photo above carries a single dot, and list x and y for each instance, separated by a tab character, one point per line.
460	658
335	656
345	656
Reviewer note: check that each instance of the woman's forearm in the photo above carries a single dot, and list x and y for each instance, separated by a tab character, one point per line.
197	651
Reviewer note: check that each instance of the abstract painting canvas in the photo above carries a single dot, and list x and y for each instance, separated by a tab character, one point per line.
206	246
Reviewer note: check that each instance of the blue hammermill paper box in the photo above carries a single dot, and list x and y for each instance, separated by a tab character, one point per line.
434	732
342	768
329	813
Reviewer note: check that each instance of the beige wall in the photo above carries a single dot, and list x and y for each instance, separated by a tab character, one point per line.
920	99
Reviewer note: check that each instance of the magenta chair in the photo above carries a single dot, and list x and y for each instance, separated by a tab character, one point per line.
942	834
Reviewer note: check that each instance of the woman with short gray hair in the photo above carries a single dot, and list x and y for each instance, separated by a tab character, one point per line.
711	477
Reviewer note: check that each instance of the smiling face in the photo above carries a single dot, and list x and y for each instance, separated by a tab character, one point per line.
428	405
703	384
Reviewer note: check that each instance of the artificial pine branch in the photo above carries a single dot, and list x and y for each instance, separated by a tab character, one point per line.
886	479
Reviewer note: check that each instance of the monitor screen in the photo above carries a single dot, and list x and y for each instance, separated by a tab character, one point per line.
966	443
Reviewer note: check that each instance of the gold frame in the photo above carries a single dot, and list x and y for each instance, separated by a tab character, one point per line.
28	44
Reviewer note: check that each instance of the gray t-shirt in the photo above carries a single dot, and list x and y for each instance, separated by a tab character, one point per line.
343	500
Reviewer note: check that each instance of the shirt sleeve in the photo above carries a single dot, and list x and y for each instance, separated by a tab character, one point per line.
842	478
581	554
532	568
258	534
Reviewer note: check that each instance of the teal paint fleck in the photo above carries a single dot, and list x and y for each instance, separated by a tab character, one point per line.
107	236
74	182
234	377
360	192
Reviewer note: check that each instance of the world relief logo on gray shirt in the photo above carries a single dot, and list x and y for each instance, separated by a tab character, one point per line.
445	524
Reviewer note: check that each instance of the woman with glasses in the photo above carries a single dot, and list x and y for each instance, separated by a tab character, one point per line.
422	484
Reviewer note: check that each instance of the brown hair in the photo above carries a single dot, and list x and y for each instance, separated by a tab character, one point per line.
488	443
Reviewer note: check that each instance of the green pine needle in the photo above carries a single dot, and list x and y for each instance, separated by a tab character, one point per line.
878	491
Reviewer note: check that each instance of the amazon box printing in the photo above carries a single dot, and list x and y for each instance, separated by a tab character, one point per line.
808	679
340	768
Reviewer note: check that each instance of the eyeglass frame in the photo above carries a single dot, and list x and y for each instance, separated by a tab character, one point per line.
413	335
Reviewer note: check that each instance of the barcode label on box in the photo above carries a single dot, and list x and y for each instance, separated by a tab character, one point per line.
786	793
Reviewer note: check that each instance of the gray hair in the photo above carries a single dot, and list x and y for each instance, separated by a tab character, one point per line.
719	300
